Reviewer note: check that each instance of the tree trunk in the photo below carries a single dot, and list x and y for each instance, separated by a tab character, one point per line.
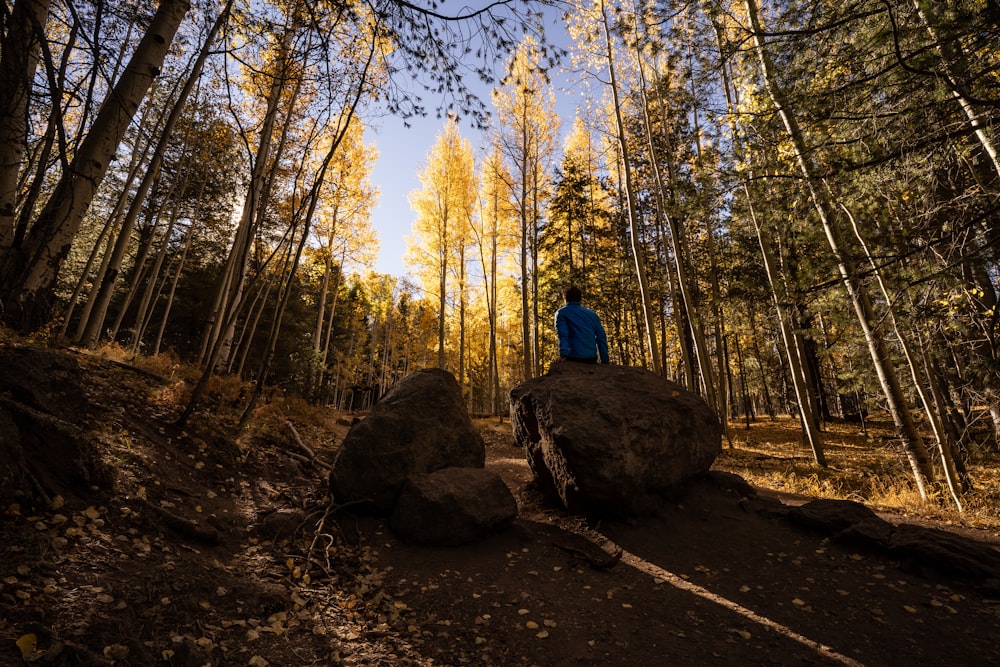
633	215
443	250
526	363
220	328
333	309
29	273
168	306
139	273
19	54
54	131
793	346
461	316
151	293
106	289
721	358
492	291
536	350
106	239
768	402
680	267
284	294
933	417
912	443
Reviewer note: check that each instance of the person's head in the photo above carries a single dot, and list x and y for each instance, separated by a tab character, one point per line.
571	294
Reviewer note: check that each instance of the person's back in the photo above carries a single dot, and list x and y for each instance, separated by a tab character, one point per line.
581	334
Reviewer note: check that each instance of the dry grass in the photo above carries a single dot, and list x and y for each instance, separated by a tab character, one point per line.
868	467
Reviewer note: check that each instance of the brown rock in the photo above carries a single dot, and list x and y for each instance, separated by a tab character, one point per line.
604	439
452	506
420	426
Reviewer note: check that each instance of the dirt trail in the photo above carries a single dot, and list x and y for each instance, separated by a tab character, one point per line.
213	549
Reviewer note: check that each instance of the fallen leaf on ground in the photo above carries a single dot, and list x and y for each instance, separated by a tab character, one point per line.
27	643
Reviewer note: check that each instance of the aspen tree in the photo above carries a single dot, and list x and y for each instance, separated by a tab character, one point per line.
494	232
667	200
792	340
189	237
95	323
593	30
28	273
304	203
777	282
20	50
954	56
107	236
442	205
526	131
926	400
343	230
900	412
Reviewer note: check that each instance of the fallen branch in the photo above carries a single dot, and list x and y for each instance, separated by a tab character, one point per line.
298	440
183	526
310	456
606	562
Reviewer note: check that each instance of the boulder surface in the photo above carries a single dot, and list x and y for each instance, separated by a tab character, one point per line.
452	506
419	426
612	440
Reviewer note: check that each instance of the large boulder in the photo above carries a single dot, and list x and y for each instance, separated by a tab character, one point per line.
419	426
612	440
452	506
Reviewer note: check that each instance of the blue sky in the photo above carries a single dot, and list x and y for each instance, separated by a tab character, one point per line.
402	152
401	155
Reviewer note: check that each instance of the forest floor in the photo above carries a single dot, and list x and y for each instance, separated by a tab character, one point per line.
218	549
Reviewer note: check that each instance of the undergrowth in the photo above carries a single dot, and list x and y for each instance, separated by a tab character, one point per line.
867	466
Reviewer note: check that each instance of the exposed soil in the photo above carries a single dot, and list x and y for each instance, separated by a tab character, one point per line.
213	549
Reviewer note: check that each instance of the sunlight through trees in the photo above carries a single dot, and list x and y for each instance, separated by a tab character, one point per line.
790	208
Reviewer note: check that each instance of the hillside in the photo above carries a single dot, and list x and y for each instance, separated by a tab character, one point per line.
201	545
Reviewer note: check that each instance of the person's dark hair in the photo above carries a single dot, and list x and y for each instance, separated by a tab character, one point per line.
572	293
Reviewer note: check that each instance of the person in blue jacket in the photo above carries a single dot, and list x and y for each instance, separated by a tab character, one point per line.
581	335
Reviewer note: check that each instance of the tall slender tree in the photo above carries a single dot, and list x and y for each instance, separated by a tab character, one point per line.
441	229
28	271
526	133
898	408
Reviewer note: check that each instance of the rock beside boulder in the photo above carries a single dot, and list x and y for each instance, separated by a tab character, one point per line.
612	440
420	426
833	516
452	506
851	523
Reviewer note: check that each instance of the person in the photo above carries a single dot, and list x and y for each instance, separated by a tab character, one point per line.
581	334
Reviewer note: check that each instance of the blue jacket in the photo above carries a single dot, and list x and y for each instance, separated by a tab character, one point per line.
581	336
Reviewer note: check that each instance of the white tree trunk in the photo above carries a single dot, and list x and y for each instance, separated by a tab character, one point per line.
30	272
901	415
